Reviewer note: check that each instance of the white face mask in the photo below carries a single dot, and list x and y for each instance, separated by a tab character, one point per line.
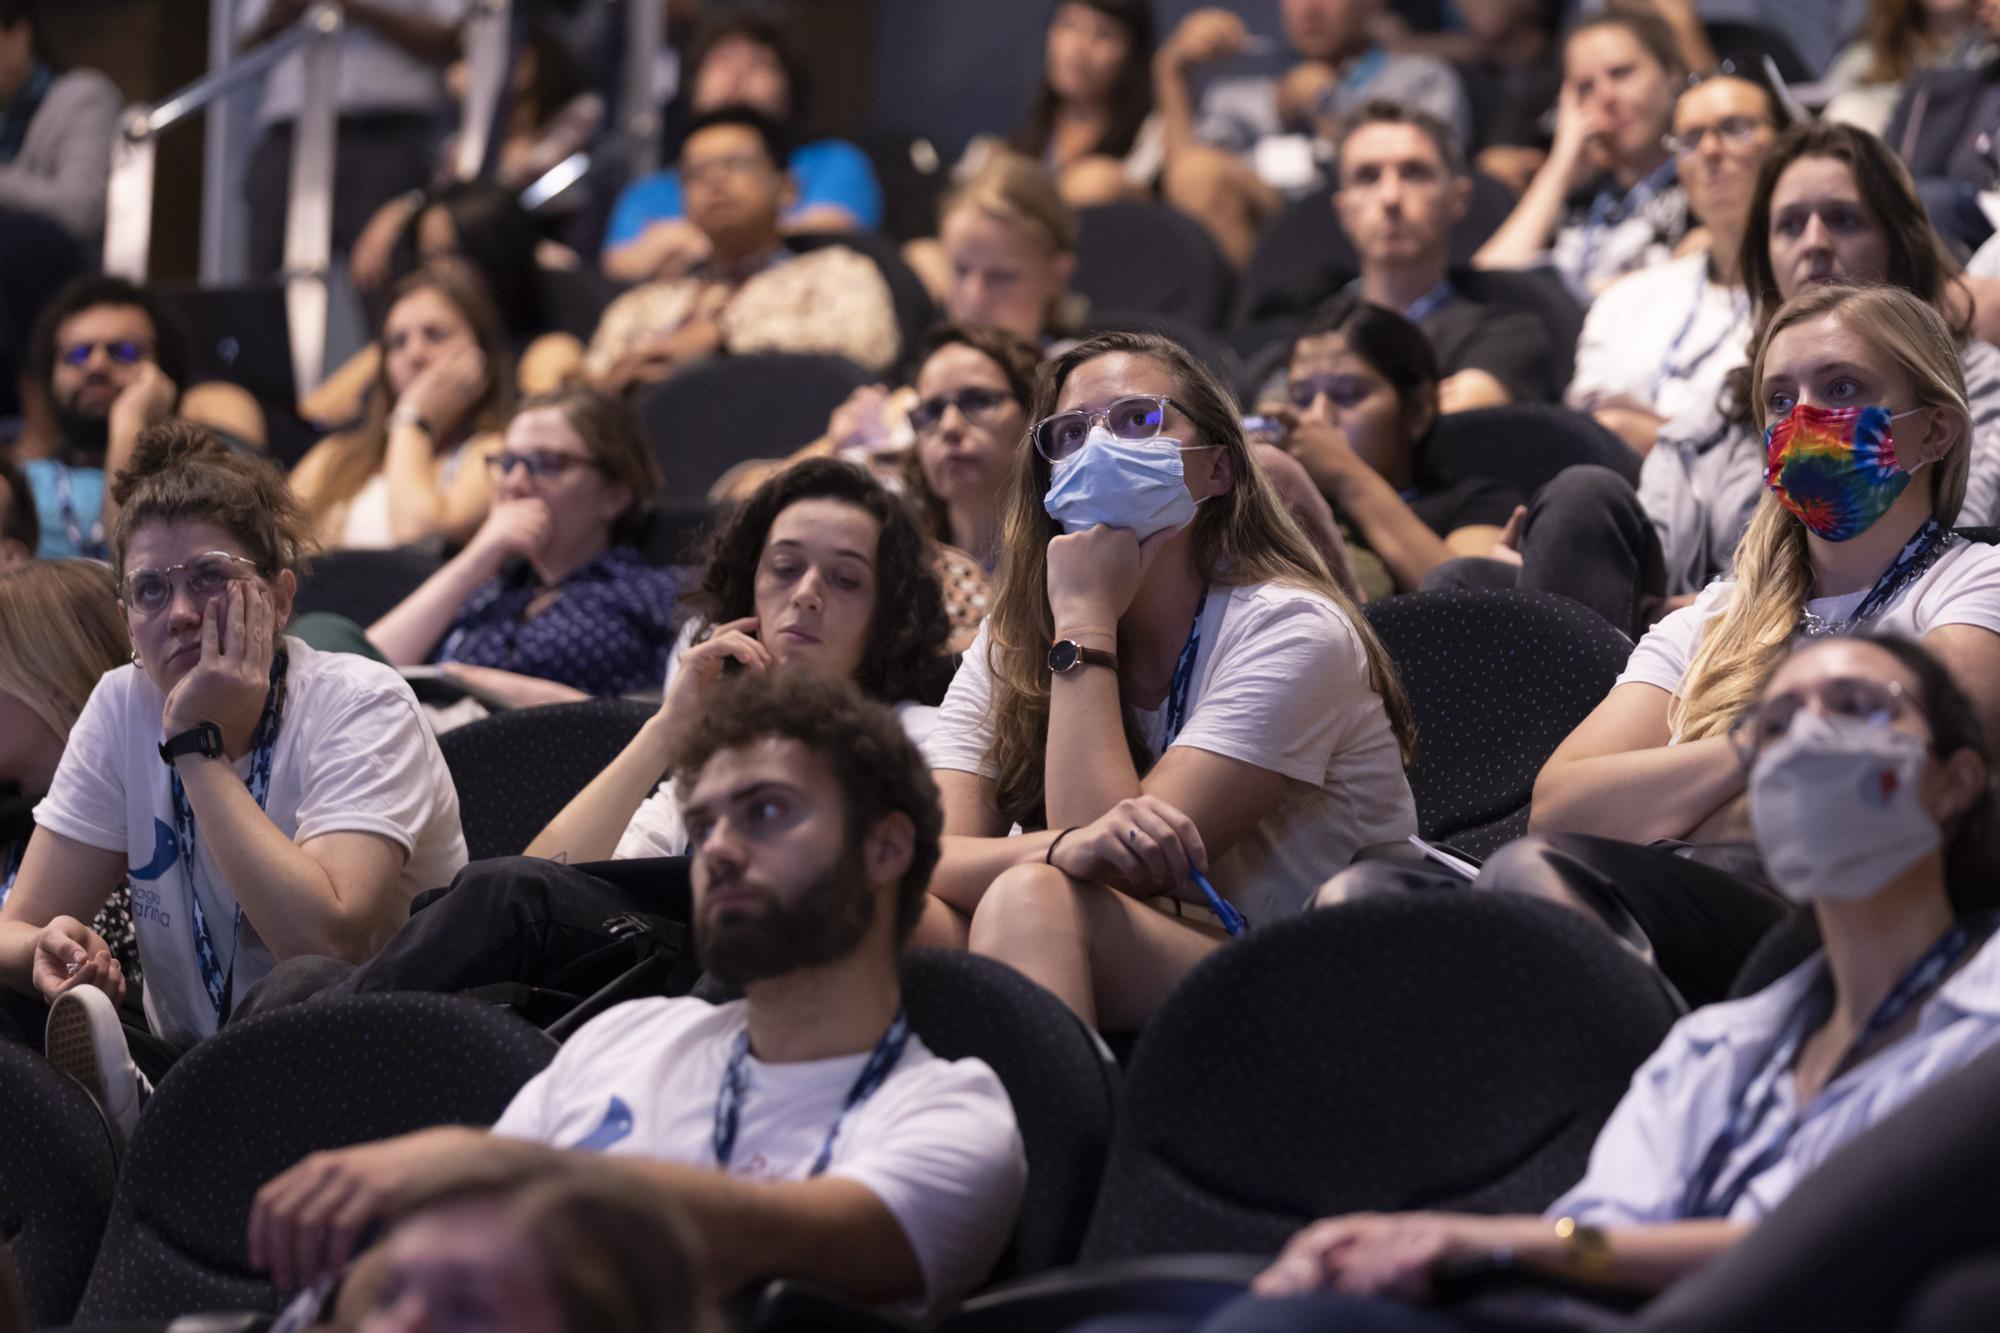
1836	809
1140	485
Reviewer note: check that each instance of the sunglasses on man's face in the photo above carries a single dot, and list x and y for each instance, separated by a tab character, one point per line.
122	351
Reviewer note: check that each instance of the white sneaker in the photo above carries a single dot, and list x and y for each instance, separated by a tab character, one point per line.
85	1040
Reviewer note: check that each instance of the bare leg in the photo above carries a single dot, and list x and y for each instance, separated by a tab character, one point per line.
941	926
1221	192
1110	957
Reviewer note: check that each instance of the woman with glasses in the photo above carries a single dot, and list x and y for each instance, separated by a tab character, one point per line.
1361	399
1867	772
1606	201
1659	342
410	472
266	800
1171	694
550	601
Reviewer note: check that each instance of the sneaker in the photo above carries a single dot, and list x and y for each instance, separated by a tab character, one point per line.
85	1040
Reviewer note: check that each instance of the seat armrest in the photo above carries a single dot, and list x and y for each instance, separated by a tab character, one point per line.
788	1306
1184	1284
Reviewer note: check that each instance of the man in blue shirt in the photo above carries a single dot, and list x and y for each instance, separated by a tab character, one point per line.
740	59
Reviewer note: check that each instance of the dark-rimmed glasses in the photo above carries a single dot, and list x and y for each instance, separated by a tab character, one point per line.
1135	418
148	591
978	405
122	351
540	463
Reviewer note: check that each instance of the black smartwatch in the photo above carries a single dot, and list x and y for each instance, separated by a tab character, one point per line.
1066	655
204	739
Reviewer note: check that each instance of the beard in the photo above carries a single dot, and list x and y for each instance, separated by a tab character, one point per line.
822	924
84	433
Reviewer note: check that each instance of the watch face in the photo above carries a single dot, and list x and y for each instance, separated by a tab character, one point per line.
1062	655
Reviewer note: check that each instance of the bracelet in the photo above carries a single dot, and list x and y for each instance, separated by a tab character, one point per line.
1586	1250
409	416
1049	857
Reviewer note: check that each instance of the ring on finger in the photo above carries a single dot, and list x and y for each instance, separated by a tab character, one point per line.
1132	836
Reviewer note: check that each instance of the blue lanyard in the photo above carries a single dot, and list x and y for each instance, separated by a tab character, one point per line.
729	1099
1680	370
1703	1198
91	546
217	979
1232	920
12	868
1430	302
1607	211
1919	554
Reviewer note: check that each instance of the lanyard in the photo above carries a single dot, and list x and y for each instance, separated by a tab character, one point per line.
1670	369
729	1099
1177	693
1608	211
1430	302
11	868
91	546
1921	552
1703	1198
217	979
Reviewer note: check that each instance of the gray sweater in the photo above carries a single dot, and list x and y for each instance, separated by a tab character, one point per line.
65	158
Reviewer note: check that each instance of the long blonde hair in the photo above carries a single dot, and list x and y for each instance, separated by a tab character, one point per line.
1773	566
358	454
59	631
1245	535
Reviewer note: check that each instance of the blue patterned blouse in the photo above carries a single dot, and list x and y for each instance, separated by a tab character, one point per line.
608	631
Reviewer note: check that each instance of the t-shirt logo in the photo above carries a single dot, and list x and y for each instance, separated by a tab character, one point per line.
617	1124
166	852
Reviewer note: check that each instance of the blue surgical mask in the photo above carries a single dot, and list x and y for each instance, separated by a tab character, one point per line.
1137	485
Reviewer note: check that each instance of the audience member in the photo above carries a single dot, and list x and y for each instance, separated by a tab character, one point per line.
1400	185
1942	129
59	631
550	601
838	1150
56	127
321	802
1744	1099
751	293
111	360
569	1247
480	230
1901	38
1231	155
1657	343
1607	200
20	526
1091	125
413	470
1156	601
1005	254
1362	394
1506	58
389	99
1641	809
551	115
740	57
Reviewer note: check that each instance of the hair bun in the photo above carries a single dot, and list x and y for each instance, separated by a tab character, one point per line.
171	444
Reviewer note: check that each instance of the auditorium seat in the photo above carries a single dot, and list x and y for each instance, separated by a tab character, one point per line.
1151	259
1444	1051
1524	445
56	1178
363	585
253	1100
516	770
1497	678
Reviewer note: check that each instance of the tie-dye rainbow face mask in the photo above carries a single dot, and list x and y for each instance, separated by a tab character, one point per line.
1835	467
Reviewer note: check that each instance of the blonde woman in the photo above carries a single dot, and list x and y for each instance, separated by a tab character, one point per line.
1860	396
59	631
1170	693
1004	254
413	470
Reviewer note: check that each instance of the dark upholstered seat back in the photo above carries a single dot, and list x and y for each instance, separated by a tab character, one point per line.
56	1177
515	771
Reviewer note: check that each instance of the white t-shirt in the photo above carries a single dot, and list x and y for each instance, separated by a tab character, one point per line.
936	1143
353	755
376	75
1281	682
656	828
1962	588
1663	338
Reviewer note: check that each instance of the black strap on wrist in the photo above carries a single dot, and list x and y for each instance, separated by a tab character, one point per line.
1049	857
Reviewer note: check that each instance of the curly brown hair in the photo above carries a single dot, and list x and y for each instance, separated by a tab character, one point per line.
880	770
183	473
908	654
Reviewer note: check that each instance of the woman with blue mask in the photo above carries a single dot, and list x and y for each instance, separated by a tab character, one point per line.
1867	772
1170	695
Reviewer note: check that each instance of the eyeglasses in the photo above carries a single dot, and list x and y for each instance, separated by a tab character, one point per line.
122	351
1734	132
540	463
1342	389
148	591
1877	702
983	406
729	164
1139	417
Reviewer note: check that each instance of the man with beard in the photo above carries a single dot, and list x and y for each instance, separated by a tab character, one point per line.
110	360
804	1128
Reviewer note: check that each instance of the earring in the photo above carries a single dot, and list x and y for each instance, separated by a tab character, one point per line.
135	660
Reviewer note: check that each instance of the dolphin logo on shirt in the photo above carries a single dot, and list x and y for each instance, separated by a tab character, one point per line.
166	852
617	1124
